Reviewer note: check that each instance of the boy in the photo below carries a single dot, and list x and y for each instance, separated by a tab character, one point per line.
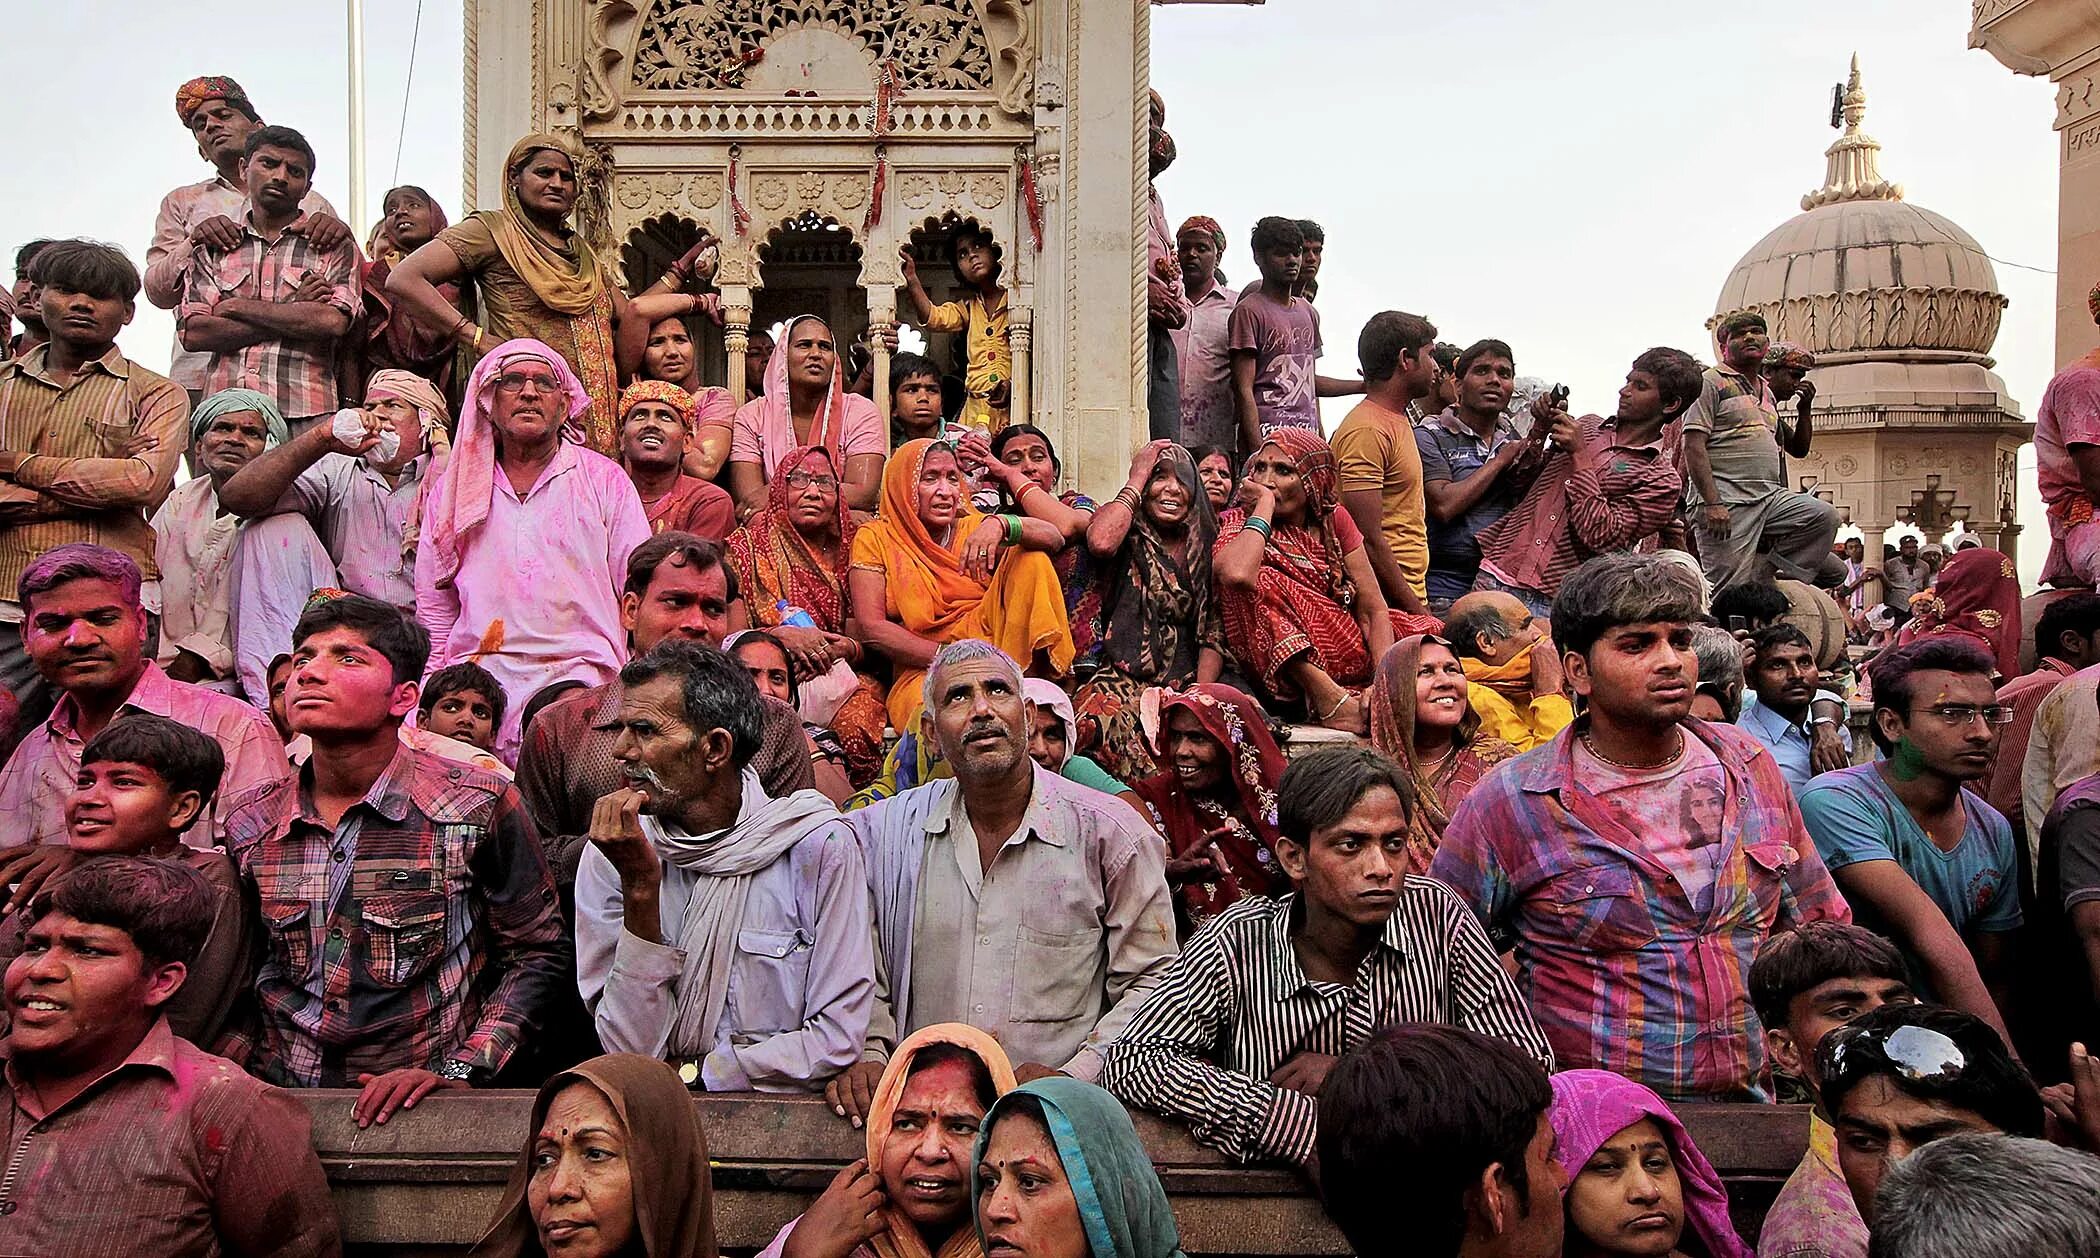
915	399
989	377
1274	335
464	703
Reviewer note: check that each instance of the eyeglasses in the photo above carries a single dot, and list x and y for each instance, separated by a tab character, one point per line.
515	382
1914	1054
804	480
1961	715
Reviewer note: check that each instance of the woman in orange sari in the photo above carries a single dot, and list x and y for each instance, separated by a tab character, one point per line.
1421	719
928	571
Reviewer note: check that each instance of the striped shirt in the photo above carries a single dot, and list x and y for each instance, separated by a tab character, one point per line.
79	485
299	375
1236	1005
1605	496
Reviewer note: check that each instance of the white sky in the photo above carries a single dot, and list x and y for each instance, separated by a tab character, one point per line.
1575	179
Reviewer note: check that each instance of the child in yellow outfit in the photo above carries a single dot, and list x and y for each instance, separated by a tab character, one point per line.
989	376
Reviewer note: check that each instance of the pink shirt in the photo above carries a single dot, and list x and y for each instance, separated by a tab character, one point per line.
537	598
2068	416
862	434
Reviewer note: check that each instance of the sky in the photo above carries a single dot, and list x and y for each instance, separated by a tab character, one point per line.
1574	179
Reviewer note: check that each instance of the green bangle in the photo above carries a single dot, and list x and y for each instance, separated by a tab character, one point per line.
1259	525
1013	529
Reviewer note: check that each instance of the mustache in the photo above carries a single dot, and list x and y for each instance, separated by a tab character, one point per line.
643	775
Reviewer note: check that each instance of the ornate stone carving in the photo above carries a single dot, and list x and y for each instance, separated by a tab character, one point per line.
1010	30
705	191
1846	467
1963	320
610	27
988	190
770	192
938	45
916	190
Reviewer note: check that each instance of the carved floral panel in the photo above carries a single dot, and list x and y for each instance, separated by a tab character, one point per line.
711	45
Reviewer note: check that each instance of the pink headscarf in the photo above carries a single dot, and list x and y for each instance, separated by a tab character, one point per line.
459	498
776	414
1592	1106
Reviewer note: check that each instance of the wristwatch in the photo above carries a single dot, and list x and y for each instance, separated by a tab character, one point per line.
462	1071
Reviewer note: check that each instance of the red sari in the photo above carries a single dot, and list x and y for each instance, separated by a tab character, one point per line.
1977	595
1243	834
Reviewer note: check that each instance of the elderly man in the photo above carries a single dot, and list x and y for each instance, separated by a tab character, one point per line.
1202	346
1007	897
1514	682
526	536
716	927
656	422
1977	1195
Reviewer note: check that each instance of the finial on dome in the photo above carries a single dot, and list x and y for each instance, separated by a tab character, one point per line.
1853	171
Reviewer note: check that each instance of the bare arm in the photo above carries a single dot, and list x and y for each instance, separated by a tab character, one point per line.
871	595
1243	399
413	283
286	320
1700	466
1370	610
258	489
1450	499
1365	506
216	334
1803	429
1336	386
1210	665
1238	565
863	485
1924	930
707	455
747	484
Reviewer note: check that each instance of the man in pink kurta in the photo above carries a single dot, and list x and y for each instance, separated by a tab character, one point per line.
526	582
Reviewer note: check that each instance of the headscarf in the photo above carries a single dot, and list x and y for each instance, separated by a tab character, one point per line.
191	96
1120	1200
900	1239
380	246
928	584
777	564
1315	460
1789	355
563	285
1202	223
657	391
1048	696
1245	836
776	408
1157	611
1978	594
666	1158
461	493
1592	1106
1393	725
234	401
411	388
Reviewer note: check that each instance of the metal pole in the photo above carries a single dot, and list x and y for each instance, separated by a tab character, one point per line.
357	120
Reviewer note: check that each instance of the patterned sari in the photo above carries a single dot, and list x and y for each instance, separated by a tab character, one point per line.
1438	786
1240	829
1977	595
396	339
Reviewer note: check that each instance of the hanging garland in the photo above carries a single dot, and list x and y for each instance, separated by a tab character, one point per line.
881	123
739	217
1032	199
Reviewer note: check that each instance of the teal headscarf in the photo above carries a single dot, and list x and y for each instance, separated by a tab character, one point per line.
1120	1200
233	401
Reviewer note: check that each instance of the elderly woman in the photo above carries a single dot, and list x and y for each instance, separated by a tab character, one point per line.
1159	621
1061	1173
1421	719
1022	467
1303	612
805	404
928	571
1637	1187
614	1164
1220	475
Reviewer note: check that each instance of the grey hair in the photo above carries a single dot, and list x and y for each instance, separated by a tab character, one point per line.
1720	657
961	651
1622	589
716	691
1980	1195
1478	625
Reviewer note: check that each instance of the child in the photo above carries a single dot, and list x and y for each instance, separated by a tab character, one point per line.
915	399
464	703
989	377
143	781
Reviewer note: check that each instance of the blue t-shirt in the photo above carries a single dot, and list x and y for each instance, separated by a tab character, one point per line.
1853	816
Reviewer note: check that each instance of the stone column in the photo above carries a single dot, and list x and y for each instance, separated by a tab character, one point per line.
882	317
736	337
1020	333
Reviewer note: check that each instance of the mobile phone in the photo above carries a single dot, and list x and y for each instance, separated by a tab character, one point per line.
1560	395
1738	624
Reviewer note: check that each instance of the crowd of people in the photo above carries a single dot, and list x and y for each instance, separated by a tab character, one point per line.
496	704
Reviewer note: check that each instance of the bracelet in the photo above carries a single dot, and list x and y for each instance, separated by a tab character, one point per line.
1260	526
1013	529
463	321
478	332
1128	497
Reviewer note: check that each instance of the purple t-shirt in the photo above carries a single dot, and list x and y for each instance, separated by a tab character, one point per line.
1285	340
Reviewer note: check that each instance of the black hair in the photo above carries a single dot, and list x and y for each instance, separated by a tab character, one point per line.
404	643
1739	321
1410	1121
768	639
904	366
690	549
1386	336
1013	432
1199	453
87	266
2073	613
1487	347
1319	789
1622	589
1799	960
1894	669
941	1054
164	905
1312	231
280	138
1274	232
1778	635
464	676
971	231
1992	1084
186	759
1757	602
546	697
27	254
717	691
1678	376
1446	355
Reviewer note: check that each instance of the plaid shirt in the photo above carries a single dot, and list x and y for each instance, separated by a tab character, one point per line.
1606	496
422	928
300	375
1619	968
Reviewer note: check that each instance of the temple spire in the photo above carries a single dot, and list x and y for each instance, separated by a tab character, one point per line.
1854	171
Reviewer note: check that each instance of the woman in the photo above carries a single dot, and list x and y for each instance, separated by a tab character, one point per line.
409	219
538	279
1056	732
669	355
1061	1173
1303	612
928	571
805	404
1637	1187
1159	623
910	1198
1220	475
1215	801
616	1165
1022	467
1421	718
1977	594
773	672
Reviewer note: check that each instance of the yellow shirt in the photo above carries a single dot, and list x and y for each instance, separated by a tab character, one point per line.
1524	728
1375	449
991	355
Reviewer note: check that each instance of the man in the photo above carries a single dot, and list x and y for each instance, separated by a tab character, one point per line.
1638	860
656	421
1805	984
1202	346
1606	484
1934	557
1274	335
2063	748
23	304
1720	693
1315	249
1742	508
216	111
1166	305
127	1138
1903	575
1475	467
1919	856
1903	1076
1378	468
1007	896
2062	988
1241	1034
86	634
1785	370
2067	463
89	440
1513	677
1778	712
526	536
413	936
270	308
2066	640
1985	1196
332	508
717	928
1435	1142
197	537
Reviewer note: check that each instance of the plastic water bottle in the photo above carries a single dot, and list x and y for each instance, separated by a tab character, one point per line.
792	615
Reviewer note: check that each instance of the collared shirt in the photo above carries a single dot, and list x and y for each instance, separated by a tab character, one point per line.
1790	745
196	565
298	374
1452	451
1901	578
2063	746
361	519
1236	1004
2024	695
80	485
422	928
1052	948
168	257
1741	423
2068	417
1620	968
537	596
175	1153
1814	1215
801	985
1203	348
1608	495
43	770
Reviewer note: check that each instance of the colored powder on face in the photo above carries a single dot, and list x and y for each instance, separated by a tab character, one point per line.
1906	761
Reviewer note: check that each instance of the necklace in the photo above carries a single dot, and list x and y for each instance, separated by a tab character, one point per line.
1591	746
